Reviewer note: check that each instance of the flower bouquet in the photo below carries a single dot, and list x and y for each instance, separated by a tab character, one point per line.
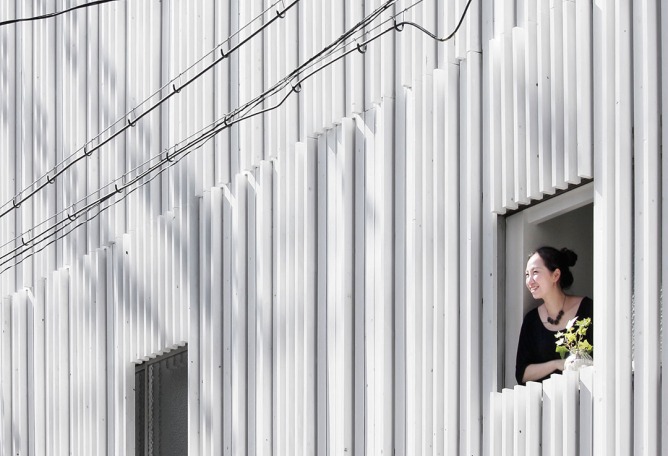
572	341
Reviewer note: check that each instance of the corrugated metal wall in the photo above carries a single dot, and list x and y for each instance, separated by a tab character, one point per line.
333	264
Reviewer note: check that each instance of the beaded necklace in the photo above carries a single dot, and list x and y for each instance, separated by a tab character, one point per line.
555	321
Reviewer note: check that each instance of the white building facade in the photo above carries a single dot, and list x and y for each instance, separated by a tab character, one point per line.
298	227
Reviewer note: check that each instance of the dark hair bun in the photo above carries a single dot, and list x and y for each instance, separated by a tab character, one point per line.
559	259
569	257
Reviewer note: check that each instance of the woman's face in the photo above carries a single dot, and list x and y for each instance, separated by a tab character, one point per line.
539	279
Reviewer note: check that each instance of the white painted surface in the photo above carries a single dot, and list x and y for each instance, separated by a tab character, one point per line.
336	265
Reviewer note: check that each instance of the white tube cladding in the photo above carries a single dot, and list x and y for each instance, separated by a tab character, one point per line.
333	264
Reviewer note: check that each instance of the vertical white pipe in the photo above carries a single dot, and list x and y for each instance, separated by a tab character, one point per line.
647	179
520	118
545	145
557	91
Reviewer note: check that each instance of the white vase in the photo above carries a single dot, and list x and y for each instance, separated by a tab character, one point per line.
577	360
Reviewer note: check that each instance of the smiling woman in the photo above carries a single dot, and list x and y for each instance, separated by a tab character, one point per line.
547	275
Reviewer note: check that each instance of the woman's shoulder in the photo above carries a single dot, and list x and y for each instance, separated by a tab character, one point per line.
532	316
586	308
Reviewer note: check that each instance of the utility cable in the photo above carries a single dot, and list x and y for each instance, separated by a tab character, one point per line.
153	172
217	126
192	146
88	149
58	13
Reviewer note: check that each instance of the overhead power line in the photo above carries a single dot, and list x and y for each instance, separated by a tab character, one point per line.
173	87
58	13
167	159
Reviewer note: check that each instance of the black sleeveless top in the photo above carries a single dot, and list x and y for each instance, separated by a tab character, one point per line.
537	343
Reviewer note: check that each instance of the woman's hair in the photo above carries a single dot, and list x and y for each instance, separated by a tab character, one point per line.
559	259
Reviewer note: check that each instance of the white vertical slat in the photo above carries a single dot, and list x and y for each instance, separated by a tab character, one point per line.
19	368
520	396
364	294
345	211
142	296
222	101
322	349
183	235
209	295
153	13
509	198
44	128
557	92
495	134
647	177
290	58
387	51
109	352
61	292
606	231
76	348
80	348
470	241
372	61
521	156
586	412
534	411
545	146
570	139
496	420
88	317
129	338
215	305
552	417
227	342
319	38
244	73
154	281
663	30
442	161
265	259
404	48
239	316
39	417
99	354
571	431
337	88
334	395
25	126
7	423
327	24
114	316
134	69
280	223
93	119
531	99
623	130
307	45
354	64
299	301
253	315
447	108
311	298
174	243
584	69
291	300
413	273
508	425
399	287
8	140
385	259
426	281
